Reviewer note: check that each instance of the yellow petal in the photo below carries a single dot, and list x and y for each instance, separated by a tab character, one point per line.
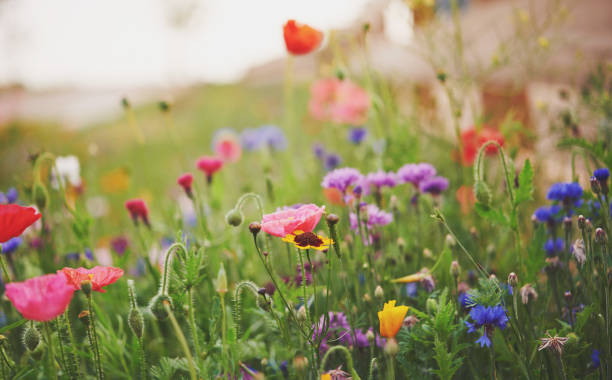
416	277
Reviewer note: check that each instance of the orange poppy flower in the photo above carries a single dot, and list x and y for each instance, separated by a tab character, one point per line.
391	319
301	39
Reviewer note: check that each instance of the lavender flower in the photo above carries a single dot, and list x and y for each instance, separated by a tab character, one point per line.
377	217
357	134
12	195
415	173
488	317
341	179
433	185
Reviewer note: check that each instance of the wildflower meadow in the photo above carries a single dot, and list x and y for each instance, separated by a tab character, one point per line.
323	228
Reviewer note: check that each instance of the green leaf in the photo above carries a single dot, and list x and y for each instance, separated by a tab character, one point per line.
525	189
13	325
495	216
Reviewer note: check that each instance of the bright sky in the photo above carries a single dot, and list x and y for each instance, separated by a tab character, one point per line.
122	43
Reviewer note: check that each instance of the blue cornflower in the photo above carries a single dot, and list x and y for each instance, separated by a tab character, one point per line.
548	214
273	137
11	245
465	300
411	289
568	193
331	161
249	139
88	254
357	134
553	247
488	317
595	357
11	195
601	174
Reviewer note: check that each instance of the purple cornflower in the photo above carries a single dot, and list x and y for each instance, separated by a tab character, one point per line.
318	150
548	214
377	217
567	193
415	173
341	179
553	247
381	179
11	195
273	137
249	139
488	317
331	161
339	331
433	185
119	245
357	134
11	245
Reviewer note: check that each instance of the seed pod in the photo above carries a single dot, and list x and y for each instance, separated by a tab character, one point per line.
31	338
156	306
136	322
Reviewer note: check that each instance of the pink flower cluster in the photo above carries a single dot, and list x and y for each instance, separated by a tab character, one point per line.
338	101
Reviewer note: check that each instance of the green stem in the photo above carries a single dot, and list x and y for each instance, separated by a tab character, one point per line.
5	272
182	340
192	324
51	352
94	338
347	358
223	332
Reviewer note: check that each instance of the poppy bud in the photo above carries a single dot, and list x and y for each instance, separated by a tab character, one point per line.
125	103
255	227
581	222
441	75
221	281
482	193
31	338
136	322
332	219
431	305
41	196
234	217
164	106
156	306
513	280
379	292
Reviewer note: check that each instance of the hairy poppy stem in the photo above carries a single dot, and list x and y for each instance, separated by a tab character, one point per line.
94	339
192	324
51	349
182	340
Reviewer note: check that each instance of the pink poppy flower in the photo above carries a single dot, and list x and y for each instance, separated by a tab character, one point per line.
209	165
98	276
284	222
338	101
41	298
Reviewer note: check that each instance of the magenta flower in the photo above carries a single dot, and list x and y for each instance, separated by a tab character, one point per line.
41	298
284	222
415	173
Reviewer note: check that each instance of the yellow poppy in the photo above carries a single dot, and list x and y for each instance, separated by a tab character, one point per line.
416	277
391	319
308	240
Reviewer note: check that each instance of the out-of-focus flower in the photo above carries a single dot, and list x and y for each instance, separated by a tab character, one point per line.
269	136
472	140
41	298
357	134
338	101
336	374
391	319
281	223
595	359
567	193
66	168
331	161
553	247
115	181
333	196
528	293
433	185
119	244
209	165
548	214
98	276
226	145
318	150
308	240
97	206
138	210
381	179
578	251
467	199
301	38
488	317
185	181
416	173
11	245
11	195
553	343
14	219
377	217
341	179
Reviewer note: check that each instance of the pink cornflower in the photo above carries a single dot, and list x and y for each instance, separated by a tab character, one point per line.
209	165
98	276
138	210
284	222
339	101
185	181
41	298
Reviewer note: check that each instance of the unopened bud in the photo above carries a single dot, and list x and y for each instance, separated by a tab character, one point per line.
581	222
450	241
156	306
588	226
427	253
567	223
474	232
164	106
255	227
431	305
300	363
31	338
221	281
401	243
595	187
600	236
332	219
86	288
370	336
379	292
234	217
455	269
482	193
301	314
136	322
367	297
391	347
41	196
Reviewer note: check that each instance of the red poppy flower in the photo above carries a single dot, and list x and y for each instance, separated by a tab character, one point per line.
138	210
472	140
301	39
98	276
14	219
465	196
185	182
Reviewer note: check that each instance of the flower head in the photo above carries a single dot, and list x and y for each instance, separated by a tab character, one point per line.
377	217
209	165
548	214
301	39
283	222
11	195
269	136
433	185
341	179
336	374
99	277
67	169
472	140
119	244
381	179
14	219
338	101
357	134
41	298
415	173
528	293
138	210
308	240
601	174
553	343
553	247
331	161
185	181
567	193
11	245
488	317
226	145
391	319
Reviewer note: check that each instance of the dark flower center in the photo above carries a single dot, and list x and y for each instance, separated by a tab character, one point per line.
308	239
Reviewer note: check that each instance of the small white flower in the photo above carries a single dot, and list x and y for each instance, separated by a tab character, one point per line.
67	168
